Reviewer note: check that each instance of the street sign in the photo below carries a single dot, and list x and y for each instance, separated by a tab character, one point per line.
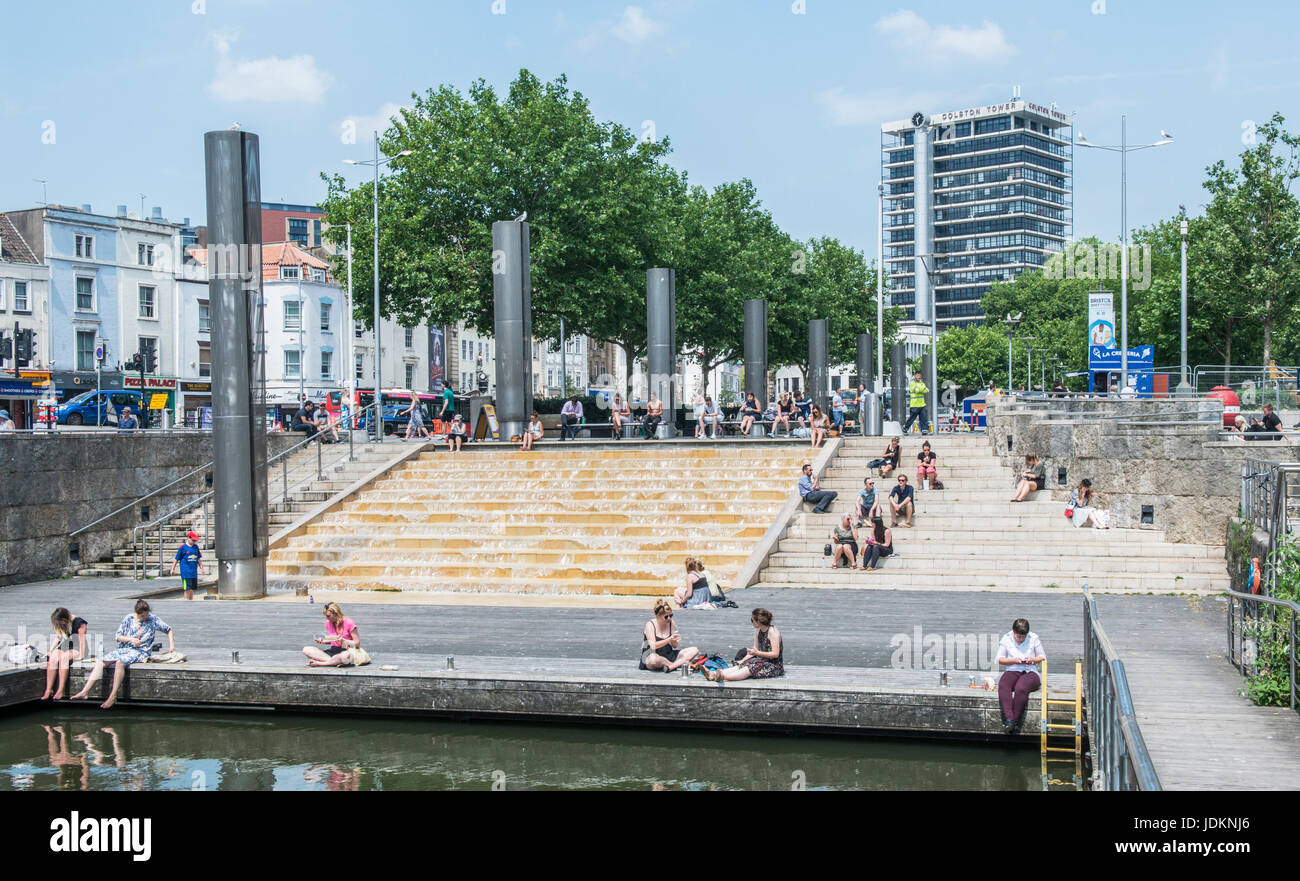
158	402
99	353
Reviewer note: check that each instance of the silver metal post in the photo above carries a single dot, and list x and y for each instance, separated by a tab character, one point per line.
160	549
379	411
320	473
880	293
1184	390
564	371
1123	256
284	475
511	293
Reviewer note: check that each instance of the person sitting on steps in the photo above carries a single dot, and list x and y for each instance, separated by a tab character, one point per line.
889	459
812	493
868	505
902	501
844	538
880	544
1031	479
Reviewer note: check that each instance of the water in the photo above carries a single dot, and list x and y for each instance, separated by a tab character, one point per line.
143	750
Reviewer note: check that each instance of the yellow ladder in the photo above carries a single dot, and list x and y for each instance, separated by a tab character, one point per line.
1054	733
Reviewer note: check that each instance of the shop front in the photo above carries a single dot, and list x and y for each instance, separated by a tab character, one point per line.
68	384
159	397
283	400
195	403
19	397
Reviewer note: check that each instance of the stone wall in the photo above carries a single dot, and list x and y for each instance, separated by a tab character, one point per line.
1179	463
51	485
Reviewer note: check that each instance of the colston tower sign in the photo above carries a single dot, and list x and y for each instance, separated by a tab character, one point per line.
999	109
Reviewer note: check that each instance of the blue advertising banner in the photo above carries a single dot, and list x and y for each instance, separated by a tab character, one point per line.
14	389
1141	367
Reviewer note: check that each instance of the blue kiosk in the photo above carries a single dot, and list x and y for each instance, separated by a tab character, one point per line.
1104	369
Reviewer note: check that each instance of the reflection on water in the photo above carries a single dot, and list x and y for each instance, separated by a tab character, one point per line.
78	749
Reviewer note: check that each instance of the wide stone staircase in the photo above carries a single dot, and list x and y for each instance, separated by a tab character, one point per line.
565	518
298	474
969	536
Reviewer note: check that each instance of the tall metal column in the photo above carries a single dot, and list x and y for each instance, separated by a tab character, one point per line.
234	195
898	383
661	342
756	350
866	362
819	368
512	298
923	175
931	397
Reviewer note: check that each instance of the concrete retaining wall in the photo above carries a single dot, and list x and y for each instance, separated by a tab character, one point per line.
51	485
1183	469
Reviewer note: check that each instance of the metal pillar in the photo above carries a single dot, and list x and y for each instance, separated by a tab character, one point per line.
931	399
512	298
1184	390
923	165
234	197
880	287
898	382
756	350
866	362
378	416
819	368
661	342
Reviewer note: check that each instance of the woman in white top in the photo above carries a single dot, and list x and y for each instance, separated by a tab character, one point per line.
1083	509
1019	654
532	433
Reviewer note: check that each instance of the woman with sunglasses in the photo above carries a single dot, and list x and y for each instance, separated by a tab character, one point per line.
661	643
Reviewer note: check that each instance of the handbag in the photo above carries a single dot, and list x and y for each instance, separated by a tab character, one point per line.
23	654
360	657
1069	511
828	551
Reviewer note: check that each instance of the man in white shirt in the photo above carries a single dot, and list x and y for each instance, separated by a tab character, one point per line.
1019	654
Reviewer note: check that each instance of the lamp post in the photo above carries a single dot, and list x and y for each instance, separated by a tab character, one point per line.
1010	321
1123	149
1029	370
1184	389
880	291
377	162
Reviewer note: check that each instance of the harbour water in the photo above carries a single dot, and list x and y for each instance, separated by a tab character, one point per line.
76	748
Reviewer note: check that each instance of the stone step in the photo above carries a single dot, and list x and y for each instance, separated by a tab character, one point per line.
915	559
469	509
506	550
457	582
917	541
889	577
635	496
475	534
662	520
526	566
1042	536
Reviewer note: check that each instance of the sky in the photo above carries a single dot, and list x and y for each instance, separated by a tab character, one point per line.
109	101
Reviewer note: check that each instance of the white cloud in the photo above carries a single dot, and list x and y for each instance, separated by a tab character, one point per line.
633	27
363	126
879	107
945	42
295	80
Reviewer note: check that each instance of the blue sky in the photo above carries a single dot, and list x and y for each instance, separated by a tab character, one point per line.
742	87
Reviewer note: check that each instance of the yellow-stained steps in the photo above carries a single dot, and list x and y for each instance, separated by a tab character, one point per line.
586	518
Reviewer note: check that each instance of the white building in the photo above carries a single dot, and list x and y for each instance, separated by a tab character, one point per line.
24	304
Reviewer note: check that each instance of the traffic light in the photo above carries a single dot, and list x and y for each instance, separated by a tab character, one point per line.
25	347
133	365
150	361
6	348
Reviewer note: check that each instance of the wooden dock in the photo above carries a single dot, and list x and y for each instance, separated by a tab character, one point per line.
1201	732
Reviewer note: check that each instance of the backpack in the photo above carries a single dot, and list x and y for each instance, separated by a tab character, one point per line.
709	662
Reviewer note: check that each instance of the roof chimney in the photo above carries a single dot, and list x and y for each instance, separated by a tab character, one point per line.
156	214
121	211
85	206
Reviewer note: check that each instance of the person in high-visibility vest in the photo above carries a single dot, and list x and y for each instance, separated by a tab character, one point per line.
916	392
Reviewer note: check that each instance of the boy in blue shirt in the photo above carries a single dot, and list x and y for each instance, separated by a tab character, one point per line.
188	555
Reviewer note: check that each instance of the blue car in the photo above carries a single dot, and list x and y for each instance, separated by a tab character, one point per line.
97	408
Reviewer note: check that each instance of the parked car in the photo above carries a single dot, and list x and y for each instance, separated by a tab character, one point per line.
82	409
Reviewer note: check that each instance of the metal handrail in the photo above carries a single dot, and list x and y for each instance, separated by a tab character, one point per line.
190	474
1120	757
139	535
1237	634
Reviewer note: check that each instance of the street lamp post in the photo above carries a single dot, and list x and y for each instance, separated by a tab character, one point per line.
1010	321
880	291
376	162
1184	388
1124	149
931	264
1029	369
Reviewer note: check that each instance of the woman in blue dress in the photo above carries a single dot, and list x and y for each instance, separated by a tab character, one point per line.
134	644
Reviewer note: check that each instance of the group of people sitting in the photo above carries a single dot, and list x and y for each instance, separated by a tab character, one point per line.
661	648
877	541
1268	426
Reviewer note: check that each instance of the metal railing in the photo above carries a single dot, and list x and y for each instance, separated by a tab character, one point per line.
1270	500
1254	618
1120	760
280	472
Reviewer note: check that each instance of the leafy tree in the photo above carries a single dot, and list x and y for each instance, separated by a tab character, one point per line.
1253	246
594	195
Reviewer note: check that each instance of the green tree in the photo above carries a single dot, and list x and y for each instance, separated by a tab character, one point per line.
1253	246
594	195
